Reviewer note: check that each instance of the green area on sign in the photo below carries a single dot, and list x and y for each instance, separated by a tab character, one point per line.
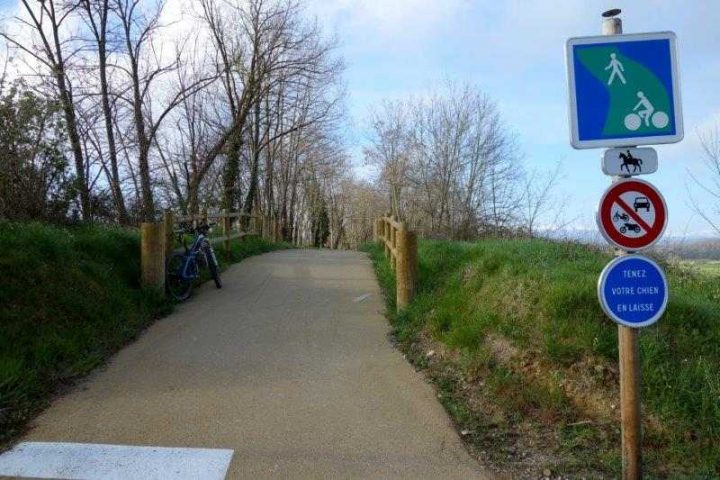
639	103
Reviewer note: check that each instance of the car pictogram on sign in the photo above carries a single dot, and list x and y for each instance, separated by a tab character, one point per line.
641	202
632	214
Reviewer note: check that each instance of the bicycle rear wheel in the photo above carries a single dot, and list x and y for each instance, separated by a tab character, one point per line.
176	284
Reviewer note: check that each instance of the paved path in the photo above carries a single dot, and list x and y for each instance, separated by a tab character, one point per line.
288	366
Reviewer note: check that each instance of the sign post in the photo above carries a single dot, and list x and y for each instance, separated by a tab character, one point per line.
624	92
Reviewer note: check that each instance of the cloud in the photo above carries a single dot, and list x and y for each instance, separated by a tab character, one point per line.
394	24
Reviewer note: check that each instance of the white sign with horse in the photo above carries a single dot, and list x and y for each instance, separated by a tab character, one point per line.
629	161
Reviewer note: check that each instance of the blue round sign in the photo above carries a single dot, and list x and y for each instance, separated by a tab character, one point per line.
633	291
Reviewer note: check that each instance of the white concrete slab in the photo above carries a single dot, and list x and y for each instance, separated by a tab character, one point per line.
69	461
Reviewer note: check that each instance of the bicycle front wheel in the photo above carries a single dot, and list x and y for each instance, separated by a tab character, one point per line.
177	282
213	266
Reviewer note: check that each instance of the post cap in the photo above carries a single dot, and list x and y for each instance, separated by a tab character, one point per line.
611	13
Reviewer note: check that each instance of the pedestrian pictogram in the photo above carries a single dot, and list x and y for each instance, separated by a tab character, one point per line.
616	69
633	291
632	214
624	90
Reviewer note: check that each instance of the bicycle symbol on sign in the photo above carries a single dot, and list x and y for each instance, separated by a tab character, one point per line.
645	114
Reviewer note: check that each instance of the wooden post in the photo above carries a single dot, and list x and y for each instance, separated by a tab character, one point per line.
386	237
630	402
629	354
406	244
226	229
273	230
152	255
393	243
169	231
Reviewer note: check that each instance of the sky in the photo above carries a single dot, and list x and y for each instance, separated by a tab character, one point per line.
513	50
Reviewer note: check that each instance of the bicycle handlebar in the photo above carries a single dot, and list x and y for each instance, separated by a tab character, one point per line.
200	229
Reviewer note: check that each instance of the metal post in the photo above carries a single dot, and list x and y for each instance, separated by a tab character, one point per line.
628	350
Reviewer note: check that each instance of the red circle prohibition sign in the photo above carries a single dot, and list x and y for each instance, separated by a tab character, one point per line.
615	208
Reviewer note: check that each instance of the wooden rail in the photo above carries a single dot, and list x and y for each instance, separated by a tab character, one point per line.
401	250
157	240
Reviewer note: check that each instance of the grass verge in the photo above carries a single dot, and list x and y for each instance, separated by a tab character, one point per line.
69	299
526	362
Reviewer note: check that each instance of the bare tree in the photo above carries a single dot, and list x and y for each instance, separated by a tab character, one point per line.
442	159
53	49
536	197
710	182
96	13
243	113
145	66
389	149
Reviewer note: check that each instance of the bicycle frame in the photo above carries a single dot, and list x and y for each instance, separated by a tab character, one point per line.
191	255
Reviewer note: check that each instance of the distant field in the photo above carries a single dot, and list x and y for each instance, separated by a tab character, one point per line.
704	267
525	361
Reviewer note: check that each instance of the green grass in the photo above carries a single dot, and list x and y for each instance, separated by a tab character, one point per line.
521	328
69	299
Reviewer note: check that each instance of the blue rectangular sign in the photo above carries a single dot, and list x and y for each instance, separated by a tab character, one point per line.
624	90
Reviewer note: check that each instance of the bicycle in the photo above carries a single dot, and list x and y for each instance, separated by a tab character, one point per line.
182	269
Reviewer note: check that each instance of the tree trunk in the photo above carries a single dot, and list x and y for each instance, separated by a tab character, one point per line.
80	181
255	162
110	132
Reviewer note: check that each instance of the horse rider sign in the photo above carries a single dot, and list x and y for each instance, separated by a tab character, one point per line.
629	161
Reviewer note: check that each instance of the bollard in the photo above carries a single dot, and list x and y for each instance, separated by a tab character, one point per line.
152	255
168	227
406	269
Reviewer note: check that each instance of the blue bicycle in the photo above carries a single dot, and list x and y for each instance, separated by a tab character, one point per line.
183	269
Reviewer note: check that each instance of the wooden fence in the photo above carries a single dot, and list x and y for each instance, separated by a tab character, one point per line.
157	240
401	250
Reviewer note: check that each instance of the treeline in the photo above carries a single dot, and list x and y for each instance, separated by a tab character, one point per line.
113	110
115	113
700	249
452	169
